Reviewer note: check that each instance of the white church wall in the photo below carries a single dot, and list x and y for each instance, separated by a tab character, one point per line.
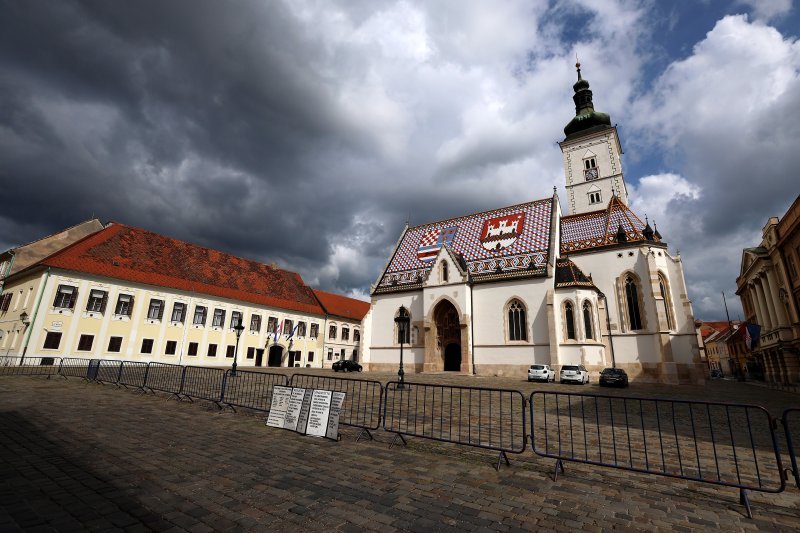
492	349
581	350
384	351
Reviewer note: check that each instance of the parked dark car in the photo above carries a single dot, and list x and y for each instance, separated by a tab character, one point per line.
613	376
346	365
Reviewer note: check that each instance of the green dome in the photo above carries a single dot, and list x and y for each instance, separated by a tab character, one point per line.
586	118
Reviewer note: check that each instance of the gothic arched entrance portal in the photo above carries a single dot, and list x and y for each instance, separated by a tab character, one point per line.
448	336
452	358
275	356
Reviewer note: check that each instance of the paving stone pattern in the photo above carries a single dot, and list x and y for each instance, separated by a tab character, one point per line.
82	456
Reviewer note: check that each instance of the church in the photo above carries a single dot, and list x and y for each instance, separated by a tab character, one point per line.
492	293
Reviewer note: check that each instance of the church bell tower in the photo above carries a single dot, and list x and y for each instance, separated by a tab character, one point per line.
591	150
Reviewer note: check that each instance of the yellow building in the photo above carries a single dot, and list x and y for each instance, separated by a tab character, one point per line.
127	293
769	288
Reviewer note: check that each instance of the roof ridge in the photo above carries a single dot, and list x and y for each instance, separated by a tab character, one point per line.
61	231
459	218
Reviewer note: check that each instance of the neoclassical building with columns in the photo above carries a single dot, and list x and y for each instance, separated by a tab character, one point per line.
493	292
769	288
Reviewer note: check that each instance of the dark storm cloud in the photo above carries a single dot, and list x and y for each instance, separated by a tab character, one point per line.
308	133
226	91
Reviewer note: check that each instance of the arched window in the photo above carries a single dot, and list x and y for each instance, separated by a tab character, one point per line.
569	320
444	271
587	320
666	301
405	336
632	298
517	324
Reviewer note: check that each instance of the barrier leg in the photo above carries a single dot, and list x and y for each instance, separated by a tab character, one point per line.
559	465
500	458
744	500
362	433
394	440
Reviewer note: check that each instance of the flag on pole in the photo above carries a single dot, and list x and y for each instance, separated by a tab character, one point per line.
293	331
752	333
277	332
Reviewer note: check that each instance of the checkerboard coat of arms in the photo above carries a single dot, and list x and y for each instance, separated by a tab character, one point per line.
432	241
501	232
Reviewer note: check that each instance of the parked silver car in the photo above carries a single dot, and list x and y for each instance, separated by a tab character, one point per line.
574	374
541	373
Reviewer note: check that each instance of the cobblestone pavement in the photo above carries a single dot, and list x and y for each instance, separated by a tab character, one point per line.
79	456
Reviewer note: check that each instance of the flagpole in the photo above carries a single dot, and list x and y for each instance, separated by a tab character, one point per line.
726	309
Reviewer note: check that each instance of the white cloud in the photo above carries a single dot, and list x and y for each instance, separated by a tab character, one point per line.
768	9
720	116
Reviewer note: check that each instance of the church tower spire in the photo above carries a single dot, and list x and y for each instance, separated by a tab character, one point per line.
591	150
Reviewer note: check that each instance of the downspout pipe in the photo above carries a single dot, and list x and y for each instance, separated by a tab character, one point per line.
610	336
471	328
35	313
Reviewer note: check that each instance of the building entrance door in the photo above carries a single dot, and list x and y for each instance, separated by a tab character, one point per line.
448	336
452	358
275	356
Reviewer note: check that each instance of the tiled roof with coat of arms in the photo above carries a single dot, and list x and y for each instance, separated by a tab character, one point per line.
568	274
508	242
586	231
136	255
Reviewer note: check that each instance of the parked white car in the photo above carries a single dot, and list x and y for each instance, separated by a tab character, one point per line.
541	373
574	374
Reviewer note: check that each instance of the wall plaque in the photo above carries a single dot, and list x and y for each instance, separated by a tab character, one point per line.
280	404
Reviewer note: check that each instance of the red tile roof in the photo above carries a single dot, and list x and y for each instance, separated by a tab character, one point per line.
136	255
586	231
342	305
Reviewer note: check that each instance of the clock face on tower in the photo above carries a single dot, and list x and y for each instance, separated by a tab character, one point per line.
590	174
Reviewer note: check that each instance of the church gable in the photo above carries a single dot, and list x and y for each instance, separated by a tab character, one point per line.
592	230
512	241
750	256
448	267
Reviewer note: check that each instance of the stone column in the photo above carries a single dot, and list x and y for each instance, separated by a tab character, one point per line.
751	289
780	313
768	373
773	314
767	325
776	366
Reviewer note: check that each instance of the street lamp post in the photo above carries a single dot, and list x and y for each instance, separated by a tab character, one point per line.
402	320
23	317
238	328
610	335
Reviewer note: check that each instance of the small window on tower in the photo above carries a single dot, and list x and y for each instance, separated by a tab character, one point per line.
590	168
595	197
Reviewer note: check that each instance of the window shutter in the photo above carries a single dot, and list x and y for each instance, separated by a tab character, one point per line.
130	306
161	310
103	303
73	298
58	293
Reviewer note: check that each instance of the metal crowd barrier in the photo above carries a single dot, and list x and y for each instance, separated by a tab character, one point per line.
74	367
363	399
29	366
107	371
163	377
732	445
251	390
787	428
203	384
133	374
7	362
488	418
